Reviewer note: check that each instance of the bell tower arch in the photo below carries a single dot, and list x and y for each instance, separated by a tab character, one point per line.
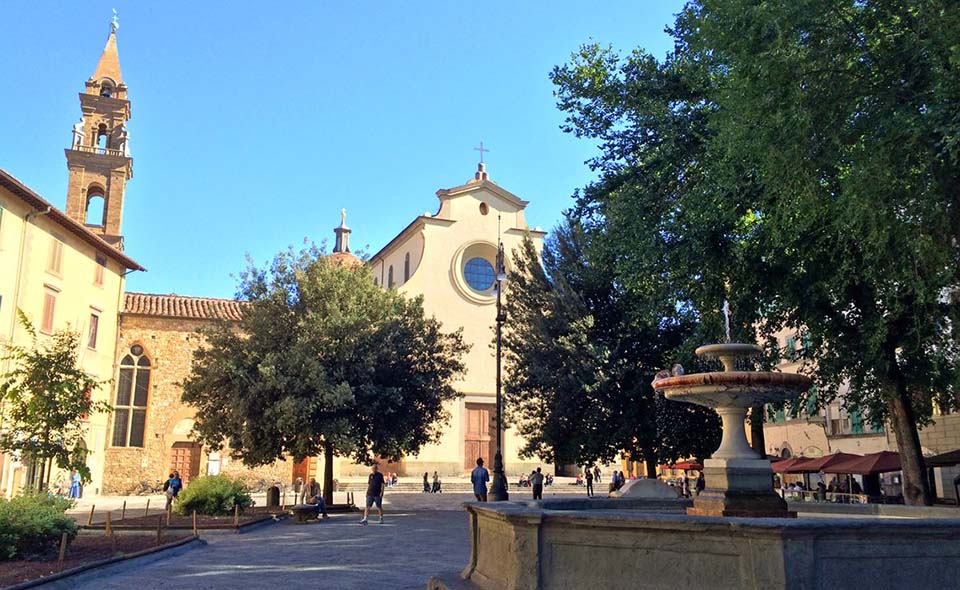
99	154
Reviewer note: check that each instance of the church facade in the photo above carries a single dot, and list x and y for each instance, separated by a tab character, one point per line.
142	344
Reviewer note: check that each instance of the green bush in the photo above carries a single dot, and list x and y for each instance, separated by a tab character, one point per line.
214	495
32	524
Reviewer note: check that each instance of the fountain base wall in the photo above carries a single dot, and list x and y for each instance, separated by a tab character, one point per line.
517	547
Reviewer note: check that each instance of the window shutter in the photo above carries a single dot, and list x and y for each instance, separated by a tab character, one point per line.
49	307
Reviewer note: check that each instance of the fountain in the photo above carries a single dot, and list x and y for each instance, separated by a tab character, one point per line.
737	534
739	480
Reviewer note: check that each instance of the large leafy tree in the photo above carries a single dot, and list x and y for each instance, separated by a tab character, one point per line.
581	358
323	361
801	159
46	398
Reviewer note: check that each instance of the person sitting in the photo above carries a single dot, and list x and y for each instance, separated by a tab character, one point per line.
523	480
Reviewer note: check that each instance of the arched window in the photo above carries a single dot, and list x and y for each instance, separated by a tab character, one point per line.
130	409
95	207
406	267
390	277
103	138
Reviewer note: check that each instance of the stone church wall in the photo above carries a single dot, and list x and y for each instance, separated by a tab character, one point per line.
169	344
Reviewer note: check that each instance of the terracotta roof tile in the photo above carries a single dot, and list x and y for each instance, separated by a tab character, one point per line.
179	306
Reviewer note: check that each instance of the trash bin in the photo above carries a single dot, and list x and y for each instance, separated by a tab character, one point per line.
273	496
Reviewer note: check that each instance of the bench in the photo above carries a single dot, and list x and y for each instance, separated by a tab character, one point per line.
303	513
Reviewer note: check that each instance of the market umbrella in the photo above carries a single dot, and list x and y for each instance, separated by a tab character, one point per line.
948	459
818	464
784	465
871	464
687	466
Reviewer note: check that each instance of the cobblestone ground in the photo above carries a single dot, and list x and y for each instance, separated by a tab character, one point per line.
423	535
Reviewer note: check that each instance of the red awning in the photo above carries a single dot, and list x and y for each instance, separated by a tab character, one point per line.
784	465
881	462
687	466
818	464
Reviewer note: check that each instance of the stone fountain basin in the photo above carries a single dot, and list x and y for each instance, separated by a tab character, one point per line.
564	544
733	389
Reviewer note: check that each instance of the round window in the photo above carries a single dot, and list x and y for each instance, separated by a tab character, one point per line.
478	273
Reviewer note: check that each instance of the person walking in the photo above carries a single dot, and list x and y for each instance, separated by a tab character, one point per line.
479	478
436	483
589	483
375	487
701	484
596	473
75	481
426	483
172	488
536	480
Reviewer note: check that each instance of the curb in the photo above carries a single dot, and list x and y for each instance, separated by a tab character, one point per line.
153	551
121	528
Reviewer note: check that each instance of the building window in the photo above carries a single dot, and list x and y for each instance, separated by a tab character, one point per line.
98	270
390	277
94	325
406	267
49	308
376	282
55	260
478	273
130	414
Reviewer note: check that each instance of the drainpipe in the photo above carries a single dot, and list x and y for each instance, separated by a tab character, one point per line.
6	463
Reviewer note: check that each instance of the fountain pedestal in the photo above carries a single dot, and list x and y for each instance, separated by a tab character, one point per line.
739	482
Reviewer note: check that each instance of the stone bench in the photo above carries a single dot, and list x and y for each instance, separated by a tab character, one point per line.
303	513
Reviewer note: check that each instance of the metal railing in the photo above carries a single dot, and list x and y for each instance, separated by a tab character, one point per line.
815	496
92	149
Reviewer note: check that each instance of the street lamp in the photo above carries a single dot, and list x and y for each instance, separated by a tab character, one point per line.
499	489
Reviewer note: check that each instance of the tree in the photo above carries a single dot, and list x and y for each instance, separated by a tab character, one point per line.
47	398
799	158
323	360
580	362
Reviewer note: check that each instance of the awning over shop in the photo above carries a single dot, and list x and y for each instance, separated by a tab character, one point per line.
948	459
784	465
818	464
882	462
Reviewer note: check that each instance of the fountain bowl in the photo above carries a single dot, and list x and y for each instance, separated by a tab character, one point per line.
741	389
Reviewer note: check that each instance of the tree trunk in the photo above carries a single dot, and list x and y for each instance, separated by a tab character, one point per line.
328	473
757	441
916	489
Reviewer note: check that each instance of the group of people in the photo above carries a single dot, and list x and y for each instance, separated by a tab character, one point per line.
526	481
172	487
431	489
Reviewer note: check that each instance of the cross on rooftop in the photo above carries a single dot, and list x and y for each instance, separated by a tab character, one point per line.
481	149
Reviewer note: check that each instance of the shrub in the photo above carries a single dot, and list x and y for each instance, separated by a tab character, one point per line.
214	495
32	524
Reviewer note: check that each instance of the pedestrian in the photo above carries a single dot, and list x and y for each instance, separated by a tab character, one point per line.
426	484
75	480
375	487
536	480
685	487
436	483
596	473
589	483
311	495
701	484
479	478
172	487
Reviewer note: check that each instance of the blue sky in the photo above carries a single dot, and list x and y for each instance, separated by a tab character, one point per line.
252	126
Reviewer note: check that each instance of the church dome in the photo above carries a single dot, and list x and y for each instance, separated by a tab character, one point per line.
345	259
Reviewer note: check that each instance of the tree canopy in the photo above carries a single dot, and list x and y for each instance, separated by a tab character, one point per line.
322	361
799	157
46	400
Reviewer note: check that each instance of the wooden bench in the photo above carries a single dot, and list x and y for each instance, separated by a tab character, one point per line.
303	513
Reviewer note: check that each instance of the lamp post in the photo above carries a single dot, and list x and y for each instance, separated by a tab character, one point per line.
499	488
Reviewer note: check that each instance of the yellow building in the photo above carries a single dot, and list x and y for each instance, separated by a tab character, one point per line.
61	274
449	258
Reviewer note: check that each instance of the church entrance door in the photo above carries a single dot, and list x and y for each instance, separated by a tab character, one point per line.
480	436
303	469
185	458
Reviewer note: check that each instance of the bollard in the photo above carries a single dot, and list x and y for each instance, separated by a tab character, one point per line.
169	510
63	552
147	509
283	501
195	532
123	511
159	525
107	529
90	520
236	516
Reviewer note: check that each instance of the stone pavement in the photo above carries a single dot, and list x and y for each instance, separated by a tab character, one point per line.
424	535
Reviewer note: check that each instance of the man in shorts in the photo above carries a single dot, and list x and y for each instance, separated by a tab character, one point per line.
375	486
479	478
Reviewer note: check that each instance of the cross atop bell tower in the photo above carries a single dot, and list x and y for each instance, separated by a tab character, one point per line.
99	154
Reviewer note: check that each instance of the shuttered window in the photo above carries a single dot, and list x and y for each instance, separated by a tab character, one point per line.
94	326
55	260
49	309
98	270
133	387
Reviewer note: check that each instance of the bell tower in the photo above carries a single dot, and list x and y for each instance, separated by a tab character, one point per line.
99	154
